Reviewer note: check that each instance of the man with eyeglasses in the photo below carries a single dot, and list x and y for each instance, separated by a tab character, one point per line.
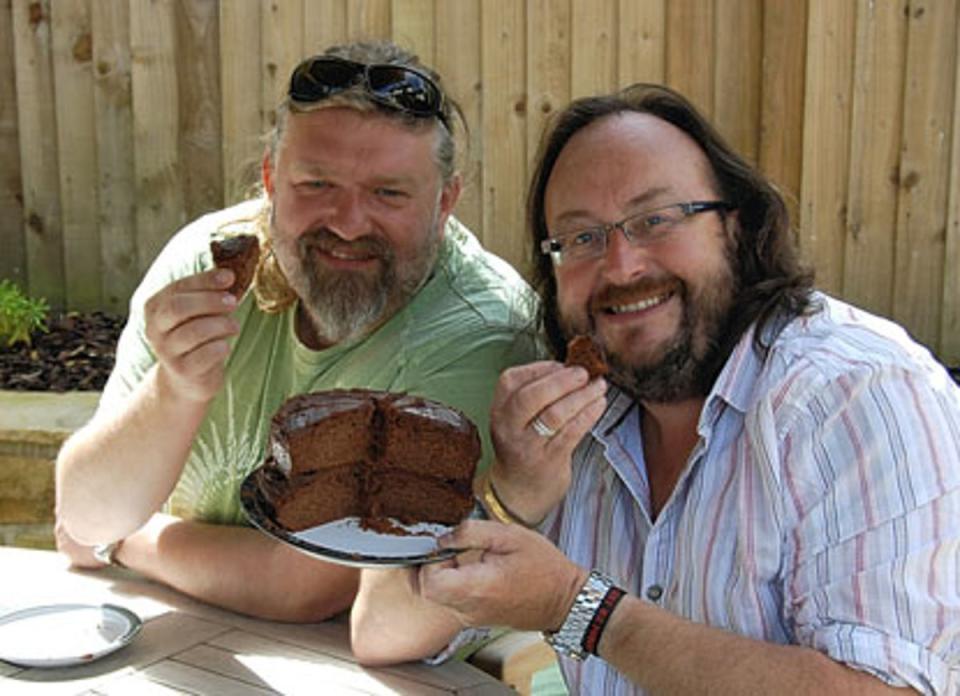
766	497
365	280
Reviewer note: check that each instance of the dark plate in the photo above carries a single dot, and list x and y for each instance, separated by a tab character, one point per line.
344	541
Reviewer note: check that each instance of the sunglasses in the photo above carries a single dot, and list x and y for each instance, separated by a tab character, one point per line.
395	86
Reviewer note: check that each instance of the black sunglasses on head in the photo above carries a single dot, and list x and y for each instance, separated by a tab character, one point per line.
395	86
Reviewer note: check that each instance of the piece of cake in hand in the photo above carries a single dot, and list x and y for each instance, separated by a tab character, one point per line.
369	454
239	253
582	350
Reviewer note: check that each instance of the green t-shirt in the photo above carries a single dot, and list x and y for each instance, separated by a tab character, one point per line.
472	319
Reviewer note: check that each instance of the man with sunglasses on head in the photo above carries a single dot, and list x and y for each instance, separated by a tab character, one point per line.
365	280
763	496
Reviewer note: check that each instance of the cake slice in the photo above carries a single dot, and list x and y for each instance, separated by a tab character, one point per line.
239	253
582	350
322	430
375	455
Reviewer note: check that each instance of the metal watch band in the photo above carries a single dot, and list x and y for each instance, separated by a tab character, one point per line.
106	553
569	639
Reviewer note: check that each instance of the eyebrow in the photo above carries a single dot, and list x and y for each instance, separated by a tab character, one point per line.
389	181
635	202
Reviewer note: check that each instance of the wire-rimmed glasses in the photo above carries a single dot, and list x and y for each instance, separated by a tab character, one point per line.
640	229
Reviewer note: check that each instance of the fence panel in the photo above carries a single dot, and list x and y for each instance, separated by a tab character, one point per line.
826	138
120	120
13	255
782	96
875	147
458	53
39	164
924	167
113	123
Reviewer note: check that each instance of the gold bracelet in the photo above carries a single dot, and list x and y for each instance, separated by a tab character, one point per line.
496	508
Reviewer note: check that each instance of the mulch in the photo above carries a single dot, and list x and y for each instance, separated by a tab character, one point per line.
76	353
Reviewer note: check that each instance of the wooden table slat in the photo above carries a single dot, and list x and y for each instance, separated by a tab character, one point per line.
284	667
193	648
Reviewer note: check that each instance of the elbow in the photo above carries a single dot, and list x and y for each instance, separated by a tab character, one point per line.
372	647
69	521
376	643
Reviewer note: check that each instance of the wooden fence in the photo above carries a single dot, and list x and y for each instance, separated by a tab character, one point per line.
122	119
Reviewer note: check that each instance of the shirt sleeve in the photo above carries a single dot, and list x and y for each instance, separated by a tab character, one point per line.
872	483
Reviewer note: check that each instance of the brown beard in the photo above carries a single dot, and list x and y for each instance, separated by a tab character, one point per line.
685	369
689	364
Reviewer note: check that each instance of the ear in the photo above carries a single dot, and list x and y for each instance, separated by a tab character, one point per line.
266	173
449	195
731	225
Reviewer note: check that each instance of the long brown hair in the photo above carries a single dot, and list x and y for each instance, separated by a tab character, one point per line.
773	285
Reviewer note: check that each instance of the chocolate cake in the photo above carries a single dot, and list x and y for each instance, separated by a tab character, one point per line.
583	350
370	454
240	254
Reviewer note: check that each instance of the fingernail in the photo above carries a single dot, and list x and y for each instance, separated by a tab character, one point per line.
229	299
223	276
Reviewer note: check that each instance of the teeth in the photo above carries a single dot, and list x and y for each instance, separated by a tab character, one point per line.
641	305
345	257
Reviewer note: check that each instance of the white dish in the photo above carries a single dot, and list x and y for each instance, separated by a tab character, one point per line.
345	541
60	635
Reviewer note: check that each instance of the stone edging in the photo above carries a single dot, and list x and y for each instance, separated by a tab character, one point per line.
33	426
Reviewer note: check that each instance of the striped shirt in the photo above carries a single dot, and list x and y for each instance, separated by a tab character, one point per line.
820	507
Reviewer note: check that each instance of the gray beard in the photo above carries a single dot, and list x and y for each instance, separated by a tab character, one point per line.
344	305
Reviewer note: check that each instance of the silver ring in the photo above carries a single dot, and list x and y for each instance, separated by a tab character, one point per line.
542	429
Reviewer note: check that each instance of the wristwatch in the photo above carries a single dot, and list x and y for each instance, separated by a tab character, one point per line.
107	553
580	633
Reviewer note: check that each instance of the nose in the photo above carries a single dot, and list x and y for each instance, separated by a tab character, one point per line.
622	260
347	216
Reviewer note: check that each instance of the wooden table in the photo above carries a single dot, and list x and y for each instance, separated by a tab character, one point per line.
190	647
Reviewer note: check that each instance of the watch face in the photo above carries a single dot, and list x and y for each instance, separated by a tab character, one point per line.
104	552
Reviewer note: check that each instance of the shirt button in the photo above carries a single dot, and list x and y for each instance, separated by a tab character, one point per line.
654	593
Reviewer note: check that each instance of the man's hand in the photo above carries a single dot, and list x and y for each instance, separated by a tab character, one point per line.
532	471
188	324
511	577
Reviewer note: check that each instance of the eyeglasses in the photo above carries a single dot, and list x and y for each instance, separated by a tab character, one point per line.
640	229
395	86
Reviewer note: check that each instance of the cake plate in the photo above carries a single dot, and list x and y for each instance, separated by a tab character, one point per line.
345	541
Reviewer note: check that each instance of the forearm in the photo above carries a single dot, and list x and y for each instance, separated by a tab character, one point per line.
240	569
666	655
119	469
390	622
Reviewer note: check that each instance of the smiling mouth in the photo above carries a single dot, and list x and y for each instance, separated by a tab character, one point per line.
623	301
346	255
639	305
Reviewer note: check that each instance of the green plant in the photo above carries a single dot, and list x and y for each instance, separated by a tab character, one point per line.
20	315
